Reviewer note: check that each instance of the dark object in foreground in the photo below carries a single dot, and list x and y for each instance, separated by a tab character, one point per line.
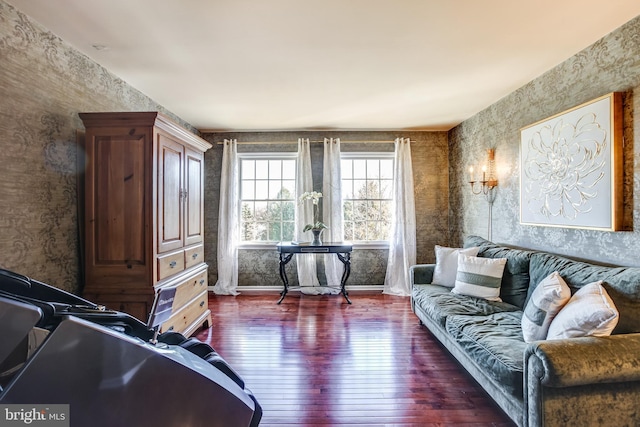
58	348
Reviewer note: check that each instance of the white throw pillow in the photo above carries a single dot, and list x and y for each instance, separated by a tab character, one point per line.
447	264
589	312
546	301
479	277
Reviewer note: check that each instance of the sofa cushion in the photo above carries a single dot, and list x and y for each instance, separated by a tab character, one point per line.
590	312
446	268
515	280
547	300
495	343
439	302
622	284
479	277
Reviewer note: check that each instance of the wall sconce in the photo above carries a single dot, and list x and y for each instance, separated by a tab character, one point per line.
489	180
487	185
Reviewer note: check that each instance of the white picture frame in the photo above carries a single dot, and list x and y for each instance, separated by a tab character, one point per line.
571	167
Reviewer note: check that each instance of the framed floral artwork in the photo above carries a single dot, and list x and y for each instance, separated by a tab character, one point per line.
571	167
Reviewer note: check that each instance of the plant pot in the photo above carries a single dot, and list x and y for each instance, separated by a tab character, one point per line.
317	234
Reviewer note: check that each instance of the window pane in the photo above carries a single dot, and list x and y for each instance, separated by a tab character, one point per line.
348	230
373	168
248	169
373	189
359	189
347	210
275	211
288	169
261	212
373	210
288	211
275	189
360	230
386	189
288	190
386	168
345	169
287	231
275	231
359	211
261	231
262	169
262	190
275	169
248	192
347	189
359	169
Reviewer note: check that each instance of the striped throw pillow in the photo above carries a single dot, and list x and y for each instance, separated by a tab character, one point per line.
547	300
479	277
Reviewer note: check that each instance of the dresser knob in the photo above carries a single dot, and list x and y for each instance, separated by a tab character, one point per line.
201	303
194	256
172	264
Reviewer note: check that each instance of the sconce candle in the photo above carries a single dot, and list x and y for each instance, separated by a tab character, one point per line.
489	182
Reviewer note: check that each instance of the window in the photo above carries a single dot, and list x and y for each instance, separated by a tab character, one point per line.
267	197
367	185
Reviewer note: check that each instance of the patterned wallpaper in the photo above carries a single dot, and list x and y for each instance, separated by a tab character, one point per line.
429	158
611	64
44	83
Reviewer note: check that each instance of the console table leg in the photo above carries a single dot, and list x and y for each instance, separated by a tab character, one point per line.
346	260
284	259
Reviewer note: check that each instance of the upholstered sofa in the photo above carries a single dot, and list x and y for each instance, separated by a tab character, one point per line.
561	382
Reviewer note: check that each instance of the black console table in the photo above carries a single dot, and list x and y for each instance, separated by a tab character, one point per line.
341	249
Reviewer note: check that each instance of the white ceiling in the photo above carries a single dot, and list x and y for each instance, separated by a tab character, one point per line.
330	64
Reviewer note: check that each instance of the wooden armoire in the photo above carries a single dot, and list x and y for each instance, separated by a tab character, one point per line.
143	216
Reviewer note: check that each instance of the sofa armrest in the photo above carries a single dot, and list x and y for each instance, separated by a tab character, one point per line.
421	274
582	381
588	360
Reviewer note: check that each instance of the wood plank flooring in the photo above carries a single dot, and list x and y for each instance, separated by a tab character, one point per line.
317	361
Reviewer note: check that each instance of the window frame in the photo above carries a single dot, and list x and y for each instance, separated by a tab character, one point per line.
257	244
367	155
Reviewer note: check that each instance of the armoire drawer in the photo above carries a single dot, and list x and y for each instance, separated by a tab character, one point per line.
185	317
170	264
189	289
193	256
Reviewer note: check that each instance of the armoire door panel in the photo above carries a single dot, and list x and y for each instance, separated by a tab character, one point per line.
170	192
194	223
119	207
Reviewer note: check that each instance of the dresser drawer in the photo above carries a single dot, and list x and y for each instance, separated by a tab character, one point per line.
170	264
189	289
185	317
193	256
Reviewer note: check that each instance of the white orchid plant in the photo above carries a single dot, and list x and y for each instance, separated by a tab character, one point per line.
315	197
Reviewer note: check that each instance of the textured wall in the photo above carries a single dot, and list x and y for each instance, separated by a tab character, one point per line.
44	83
430	161
611	64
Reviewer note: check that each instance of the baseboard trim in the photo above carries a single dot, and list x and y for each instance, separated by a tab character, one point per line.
279	288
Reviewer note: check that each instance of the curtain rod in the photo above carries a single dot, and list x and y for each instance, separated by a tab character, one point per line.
310	141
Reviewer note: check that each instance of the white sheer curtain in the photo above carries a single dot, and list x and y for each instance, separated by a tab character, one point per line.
227	283
332	210
402	242
306	263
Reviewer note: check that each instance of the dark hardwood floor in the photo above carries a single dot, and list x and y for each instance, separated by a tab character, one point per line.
317	361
